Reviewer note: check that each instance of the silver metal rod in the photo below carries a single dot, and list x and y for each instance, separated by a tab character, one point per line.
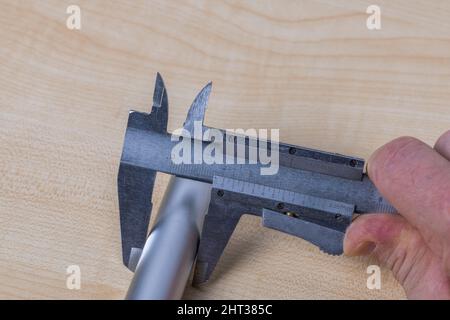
169	253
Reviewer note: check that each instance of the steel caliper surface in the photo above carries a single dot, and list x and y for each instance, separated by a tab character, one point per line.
313	195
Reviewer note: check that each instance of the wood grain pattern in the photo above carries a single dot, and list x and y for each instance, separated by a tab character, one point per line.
310	68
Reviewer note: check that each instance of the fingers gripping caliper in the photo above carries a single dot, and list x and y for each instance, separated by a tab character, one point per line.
314	194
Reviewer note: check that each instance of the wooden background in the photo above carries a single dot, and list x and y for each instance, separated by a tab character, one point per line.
310	68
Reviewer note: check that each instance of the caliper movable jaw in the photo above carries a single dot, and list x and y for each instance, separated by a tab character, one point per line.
320	221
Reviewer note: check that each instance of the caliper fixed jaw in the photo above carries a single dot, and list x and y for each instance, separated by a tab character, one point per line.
135	183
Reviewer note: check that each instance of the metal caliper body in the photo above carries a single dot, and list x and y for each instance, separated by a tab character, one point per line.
314	194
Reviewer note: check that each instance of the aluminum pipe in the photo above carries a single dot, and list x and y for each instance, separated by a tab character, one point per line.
169	253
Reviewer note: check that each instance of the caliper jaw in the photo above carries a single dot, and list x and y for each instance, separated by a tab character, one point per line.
320	221
135	184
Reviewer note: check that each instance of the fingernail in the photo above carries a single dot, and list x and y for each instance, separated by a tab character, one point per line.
370	160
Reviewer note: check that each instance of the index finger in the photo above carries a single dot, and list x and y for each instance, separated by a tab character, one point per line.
415	179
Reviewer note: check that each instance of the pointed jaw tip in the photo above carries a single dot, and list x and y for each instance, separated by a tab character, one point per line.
203	95
208	87
159	79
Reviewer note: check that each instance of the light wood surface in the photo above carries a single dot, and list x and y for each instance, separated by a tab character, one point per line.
310	68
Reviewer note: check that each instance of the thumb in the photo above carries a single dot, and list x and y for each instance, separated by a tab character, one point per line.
399	246
370	230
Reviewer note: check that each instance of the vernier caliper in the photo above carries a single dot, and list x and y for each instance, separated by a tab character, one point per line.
314	194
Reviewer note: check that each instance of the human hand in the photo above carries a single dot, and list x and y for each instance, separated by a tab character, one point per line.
414	244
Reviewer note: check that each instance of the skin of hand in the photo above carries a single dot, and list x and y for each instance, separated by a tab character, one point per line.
415	244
